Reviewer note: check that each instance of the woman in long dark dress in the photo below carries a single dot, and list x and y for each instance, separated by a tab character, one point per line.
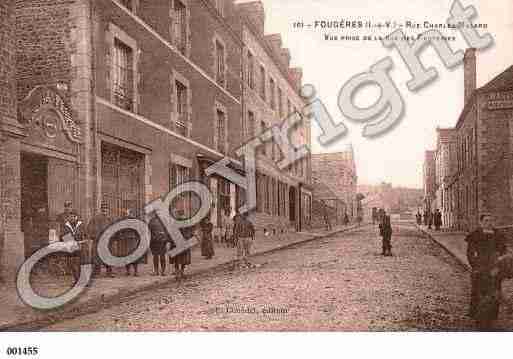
207	246
183	259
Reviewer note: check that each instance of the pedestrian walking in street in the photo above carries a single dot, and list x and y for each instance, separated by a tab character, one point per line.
385	230
185	258
486	247
227	228
346	219
95	227
207	245
74	227
326	216
244	233
158	245
438	219
430	220
419	218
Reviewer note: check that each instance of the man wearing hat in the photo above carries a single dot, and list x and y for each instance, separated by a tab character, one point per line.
63	217
95	227
486	248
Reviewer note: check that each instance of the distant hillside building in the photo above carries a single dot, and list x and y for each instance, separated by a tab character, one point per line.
338	172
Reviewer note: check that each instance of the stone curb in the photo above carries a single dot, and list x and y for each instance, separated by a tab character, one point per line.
446	248
103	301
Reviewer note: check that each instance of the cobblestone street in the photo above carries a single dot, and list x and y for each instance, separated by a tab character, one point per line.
337	283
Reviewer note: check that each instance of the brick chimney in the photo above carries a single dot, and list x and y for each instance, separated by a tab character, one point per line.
255	12
470	76
296	74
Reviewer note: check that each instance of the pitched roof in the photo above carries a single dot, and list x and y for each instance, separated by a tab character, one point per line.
504	81
501	82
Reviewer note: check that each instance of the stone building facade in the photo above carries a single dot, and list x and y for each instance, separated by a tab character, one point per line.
9	141
118	102
271	94
338	172
483	180
477	174
444	157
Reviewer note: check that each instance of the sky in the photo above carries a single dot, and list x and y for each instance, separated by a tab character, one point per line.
396	157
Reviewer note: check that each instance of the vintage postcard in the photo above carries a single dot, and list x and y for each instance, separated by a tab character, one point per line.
254	166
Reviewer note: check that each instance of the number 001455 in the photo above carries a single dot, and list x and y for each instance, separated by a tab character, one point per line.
22	351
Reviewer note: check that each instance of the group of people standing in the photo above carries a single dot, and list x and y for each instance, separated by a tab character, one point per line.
430	218
236	232
123	244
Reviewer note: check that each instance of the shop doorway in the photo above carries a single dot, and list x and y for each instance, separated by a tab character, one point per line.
34	201
122	180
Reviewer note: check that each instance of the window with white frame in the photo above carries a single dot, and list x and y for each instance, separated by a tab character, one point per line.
251	71
128	4
263	145
262	83
219	6
220	64
221	131
123	75
280	103
272	94
182	109
179	26
181	206
250	125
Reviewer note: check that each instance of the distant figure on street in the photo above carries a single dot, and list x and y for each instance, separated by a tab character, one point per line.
346	219
385	230
486	247
207	245
244	233
430	219
227	224
425	216
419	218
438	219
95	227
326	216
381	213
374	215
359	219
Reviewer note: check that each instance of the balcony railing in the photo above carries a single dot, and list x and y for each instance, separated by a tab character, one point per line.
122	98
181	124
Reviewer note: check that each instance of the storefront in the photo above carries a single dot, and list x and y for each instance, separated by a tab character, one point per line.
48	164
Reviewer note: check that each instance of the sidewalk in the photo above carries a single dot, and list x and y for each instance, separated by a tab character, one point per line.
14	315
452	242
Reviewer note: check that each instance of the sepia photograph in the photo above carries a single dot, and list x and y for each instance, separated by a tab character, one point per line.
276	171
